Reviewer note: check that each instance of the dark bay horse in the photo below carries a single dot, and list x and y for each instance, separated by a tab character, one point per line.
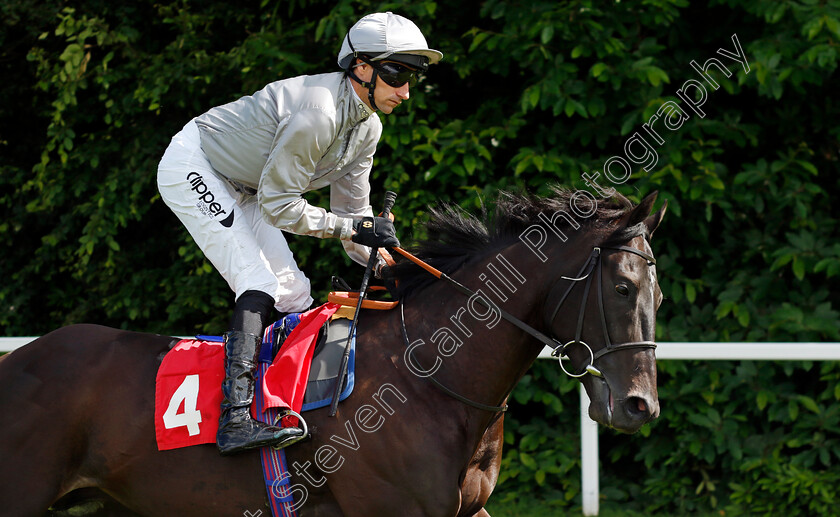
77	404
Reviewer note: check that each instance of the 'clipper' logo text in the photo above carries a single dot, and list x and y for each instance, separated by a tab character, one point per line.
207	200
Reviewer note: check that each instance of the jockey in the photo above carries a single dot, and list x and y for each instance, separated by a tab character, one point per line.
235	177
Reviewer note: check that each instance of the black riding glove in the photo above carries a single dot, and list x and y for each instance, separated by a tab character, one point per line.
376	232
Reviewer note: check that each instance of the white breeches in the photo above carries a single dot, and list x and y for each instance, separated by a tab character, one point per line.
228	227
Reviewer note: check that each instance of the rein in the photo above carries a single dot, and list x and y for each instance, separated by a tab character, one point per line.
558	349
437	383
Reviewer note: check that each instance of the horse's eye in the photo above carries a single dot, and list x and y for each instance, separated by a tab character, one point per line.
622	289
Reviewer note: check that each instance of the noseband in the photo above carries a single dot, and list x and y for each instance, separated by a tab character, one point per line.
593	264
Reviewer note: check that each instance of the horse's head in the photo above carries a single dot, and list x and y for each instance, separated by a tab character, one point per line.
602	316
609	320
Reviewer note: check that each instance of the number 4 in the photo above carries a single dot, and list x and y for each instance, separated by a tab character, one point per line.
187	393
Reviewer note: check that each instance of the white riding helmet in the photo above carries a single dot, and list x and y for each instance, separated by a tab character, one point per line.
382	35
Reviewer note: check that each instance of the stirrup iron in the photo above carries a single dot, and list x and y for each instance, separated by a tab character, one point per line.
305	428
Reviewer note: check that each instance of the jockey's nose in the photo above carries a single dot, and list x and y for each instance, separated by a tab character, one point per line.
402	92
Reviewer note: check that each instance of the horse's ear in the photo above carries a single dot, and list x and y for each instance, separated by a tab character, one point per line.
642	210
640	214
652	222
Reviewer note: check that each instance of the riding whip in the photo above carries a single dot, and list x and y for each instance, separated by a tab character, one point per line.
390	198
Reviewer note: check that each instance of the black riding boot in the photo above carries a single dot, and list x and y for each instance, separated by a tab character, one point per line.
237	430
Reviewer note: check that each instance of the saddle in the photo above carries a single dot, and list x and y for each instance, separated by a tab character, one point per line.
329	347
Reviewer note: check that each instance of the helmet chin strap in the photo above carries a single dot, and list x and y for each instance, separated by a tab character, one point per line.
371	86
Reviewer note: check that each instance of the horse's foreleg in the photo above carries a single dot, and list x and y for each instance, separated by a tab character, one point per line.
482	471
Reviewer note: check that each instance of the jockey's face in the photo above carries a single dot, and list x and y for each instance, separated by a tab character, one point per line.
387	97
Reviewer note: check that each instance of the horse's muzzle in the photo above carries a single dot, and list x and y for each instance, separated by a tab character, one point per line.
633	412
625	413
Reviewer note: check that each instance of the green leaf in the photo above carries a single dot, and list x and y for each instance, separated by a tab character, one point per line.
546	34
534	96
477	40
656	76
798	268
833	25
690	292
793	410
701	420
761	400
715	182
469	163
808	166
527	460
809	403
319	30
812	27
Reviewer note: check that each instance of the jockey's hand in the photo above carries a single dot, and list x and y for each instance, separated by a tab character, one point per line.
376	232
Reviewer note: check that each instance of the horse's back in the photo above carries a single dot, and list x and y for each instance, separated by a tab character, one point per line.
65	395
77	341
46	368
71	367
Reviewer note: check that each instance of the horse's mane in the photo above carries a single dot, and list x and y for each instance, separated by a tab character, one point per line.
456	238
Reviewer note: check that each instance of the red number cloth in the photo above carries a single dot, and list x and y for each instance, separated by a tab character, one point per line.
284	383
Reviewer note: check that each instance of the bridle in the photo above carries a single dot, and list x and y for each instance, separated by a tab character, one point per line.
585	273
594	263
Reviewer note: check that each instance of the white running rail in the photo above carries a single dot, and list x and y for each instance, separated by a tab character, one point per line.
685	351
7	344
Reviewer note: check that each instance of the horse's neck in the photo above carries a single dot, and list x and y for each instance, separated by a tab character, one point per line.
480	355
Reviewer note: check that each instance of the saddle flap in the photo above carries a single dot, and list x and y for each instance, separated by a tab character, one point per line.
323	371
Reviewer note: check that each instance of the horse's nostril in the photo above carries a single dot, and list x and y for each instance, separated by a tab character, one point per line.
640	405
637	406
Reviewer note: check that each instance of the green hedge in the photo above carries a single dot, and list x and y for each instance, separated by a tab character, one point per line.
744	438
530	92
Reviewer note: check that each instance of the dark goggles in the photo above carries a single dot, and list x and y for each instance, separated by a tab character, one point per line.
396	75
